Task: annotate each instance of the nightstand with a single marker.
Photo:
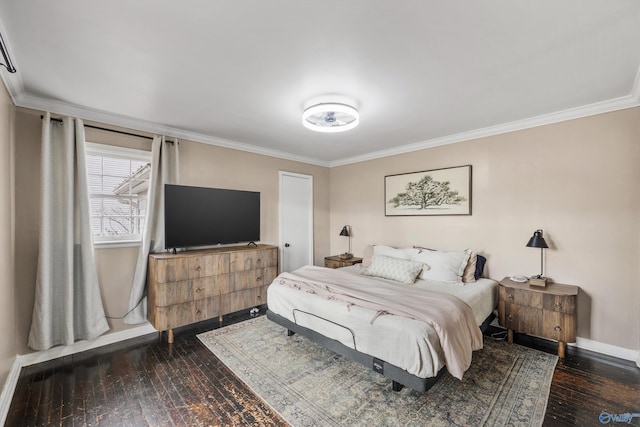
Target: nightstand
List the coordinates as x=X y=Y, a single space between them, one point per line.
x=337 y=262
x=548 y=312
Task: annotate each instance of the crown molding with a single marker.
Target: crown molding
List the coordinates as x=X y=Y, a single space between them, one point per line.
x=64 y=108
x=58 y=107
x=621 y=103
x=635 y=92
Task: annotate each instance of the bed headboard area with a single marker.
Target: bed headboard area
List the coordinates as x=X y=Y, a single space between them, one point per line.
x=454 y=266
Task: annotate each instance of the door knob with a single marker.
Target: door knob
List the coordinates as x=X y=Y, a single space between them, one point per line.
x=286 y=245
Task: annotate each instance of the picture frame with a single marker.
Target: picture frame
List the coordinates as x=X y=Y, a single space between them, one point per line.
x=434 y=192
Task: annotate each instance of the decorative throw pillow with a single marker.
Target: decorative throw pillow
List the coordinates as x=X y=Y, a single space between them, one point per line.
x=469 y=275
x=444 y=266
x=400 y=270
x=366 y=256
x=480 y=266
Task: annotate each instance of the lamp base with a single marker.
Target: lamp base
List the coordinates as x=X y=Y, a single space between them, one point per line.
x=345 y=255
x=538 y=281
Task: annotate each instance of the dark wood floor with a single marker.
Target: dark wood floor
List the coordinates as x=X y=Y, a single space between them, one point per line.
x=145 y=381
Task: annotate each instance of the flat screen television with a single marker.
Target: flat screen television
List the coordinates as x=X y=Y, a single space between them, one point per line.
x=200 y=216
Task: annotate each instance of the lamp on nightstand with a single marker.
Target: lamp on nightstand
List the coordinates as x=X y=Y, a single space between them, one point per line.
x=537 y=241
x=346 y=231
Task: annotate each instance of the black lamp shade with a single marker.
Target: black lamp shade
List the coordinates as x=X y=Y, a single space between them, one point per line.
x=345 y=231
x=537 y=241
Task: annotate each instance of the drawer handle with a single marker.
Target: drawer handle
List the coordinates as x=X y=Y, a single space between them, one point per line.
x=198 y=311
x=258 y=279
x=558 y=306
x=557 y=329
x=198 y=290
x=510 y=318
x=259 y=260
x=198 y=268
x=510 y=297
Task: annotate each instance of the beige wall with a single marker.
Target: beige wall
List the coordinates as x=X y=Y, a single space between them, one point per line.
x=578 y=180
x=7 y=283
x=200 y=164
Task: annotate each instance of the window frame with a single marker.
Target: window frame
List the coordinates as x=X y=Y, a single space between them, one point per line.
x=114 y=151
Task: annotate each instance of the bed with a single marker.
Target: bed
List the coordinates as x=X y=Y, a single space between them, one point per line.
x=406 y=350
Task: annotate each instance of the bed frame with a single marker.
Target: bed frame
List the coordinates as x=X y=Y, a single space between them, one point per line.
x=398 y=376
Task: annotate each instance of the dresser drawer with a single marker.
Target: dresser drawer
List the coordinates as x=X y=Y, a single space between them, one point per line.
x=208 y=265
x=170 y=269
x=251 y=260
x=252 y=278
x=239 y=300
x=177 y=315
x=190 y=290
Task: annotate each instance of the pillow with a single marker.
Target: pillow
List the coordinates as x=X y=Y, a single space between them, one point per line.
x=366 y=256
x=443 y=266
x=400 y=270
x=400 y=253
x=480 y=266
x=469 y=274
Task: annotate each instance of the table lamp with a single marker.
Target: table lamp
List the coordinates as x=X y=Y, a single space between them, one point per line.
x=346 y=231
x=537 y=241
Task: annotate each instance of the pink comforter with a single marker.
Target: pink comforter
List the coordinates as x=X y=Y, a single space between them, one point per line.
x=449 y=316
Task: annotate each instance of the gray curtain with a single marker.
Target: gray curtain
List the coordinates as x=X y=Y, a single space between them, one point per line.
x=164 y=170
x=68 y=306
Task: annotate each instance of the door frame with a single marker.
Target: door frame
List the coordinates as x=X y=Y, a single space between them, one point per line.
x=309 y=179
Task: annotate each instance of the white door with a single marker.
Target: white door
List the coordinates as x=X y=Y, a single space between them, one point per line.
x=296 y=220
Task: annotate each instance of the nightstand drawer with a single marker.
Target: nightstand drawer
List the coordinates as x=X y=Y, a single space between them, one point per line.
x=542 y=323
x=560 y=303
x=522 y=296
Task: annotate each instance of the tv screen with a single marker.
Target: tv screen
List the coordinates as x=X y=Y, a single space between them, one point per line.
x=199 y=216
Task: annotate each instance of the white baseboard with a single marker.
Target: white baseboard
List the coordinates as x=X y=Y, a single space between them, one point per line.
x=80 y=346
x=608 y=349
x=8 y=390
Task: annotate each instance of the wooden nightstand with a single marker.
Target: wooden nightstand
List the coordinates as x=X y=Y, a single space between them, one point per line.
x=337 y=262
x=548 y=312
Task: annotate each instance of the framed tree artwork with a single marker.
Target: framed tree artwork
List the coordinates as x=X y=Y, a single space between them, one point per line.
x=433 y=192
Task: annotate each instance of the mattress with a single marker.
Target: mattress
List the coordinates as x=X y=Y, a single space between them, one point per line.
x=409 y=344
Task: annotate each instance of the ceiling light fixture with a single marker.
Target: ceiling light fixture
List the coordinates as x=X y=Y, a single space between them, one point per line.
x=330 y=117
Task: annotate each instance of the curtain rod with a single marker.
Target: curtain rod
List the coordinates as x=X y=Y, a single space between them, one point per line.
x=108 y=130
x=5 y=55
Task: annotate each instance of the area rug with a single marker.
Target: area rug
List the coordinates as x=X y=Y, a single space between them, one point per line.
x=308 y=385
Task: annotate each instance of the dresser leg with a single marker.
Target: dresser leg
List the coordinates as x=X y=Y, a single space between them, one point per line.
x=509 y=335
x=170 y=336
x=561 y=348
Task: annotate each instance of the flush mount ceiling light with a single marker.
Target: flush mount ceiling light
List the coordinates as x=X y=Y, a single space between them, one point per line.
x=330 y=117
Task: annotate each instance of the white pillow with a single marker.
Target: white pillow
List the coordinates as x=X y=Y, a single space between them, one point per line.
x=400 y=270
x=400 y=253
x=443 y=266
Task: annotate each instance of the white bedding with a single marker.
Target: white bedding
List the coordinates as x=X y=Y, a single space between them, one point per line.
x=406 y=343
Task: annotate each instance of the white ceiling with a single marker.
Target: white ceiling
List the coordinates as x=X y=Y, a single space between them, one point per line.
x=239 y=73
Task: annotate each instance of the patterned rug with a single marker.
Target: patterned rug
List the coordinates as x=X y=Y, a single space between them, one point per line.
x=308 y=385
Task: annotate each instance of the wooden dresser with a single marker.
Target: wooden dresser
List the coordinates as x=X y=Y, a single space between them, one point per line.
x=548 y=312
x=191 y=286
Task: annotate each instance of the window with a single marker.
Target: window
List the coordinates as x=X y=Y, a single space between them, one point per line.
x=118 y=186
